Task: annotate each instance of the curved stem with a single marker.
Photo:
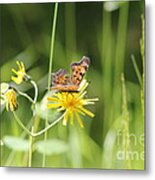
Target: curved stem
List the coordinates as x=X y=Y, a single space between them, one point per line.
x=25 y=95
x=48 y=127
x=40 y=132
x=12 y=154
x=36 y=90
x=21 y=124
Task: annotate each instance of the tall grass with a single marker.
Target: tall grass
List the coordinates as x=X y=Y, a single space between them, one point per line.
x=70 y=31
x=116 y=76
x=50 y=67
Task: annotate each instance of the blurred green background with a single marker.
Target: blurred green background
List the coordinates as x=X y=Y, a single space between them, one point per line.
x=110 y=34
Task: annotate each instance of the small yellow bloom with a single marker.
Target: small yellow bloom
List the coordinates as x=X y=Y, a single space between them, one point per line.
x=20 y=73
x=10 y=98
x=73 y=104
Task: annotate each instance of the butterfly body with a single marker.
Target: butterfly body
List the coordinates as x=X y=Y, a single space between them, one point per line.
x=61 y=81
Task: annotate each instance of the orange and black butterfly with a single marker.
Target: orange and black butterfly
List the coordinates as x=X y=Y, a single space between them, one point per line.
x=61 y=81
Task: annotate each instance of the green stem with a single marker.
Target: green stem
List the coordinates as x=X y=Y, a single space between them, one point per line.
x=137 y=70
x=120 y=56
x=40 y=132
x=30 y=148
x=36 y=90
x=32 y=129
x=30 y=137
x=21 y=124
x=12 y=154
x=52 y=44
x=49 y=126
x=125 y=119
x=33 y=101
x=50 y=66
x=26 y=96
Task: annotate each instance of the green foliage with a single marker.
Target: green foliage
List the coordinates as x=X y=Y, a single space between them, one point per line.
x=16 y=143
x=51 y=147
x=43 y=112
x=112 y=35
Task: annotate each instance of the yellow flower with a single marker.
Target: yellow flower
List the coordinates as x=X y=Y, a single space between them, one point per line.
x=20 y=73
x=9 y=98
x=73 y=104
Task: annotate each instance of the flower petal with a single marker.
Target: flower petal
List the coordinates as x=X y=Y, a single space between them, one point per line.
x=64 y=122
x=83 y=86
x=52 y=99
x=79 y=111
x=14 y=71
x=79 y=120
x=89 y=113
x=22 y=66
x=81 y=95
x=54 y=105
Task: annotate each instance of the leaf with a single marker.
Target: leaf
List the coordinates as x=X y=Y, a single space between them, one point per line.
x=50 y=147
x=16 y=143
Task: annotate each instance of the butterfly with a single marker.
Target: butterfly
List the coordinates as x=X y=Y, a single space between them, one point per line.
x=62 y=81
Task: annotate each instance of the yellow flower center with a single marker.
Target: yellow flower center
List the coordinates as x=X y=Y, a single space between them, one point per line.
x=73 y=104
x=71 y=101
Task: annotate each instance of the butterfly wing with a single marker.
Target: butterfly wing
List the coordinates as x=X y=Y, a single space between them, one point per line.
x=61 y=82
x=60 y=78
x=79 y=69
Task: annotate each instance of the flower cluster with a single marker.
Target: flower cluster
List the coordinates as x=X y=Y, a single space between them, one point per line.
x=72 y=104
x=9 y=94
